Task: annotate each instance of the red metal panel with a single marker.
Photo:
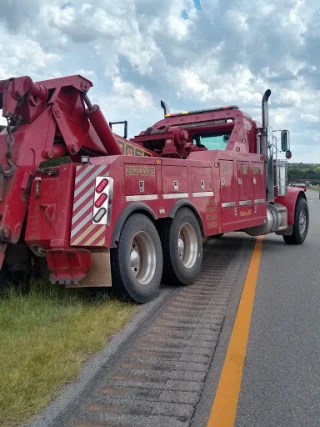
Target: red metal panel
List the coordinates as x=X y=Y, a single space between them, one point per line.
x=171 y=176
x=245 y=184
x=84 y=232
x=228 y=191
x=259 y=184
x=62 y=221
x=201 y=179
x=228 y=187
x=49 y=213
x=204 y=199
x=140 y=179
x=13 y=206
x=41 y=212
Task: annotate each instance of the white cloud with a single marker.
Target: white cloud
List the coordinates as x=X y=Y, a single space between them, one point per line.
x=138 y=51
x=310 y=118
x=133 y=96
x=23 y=55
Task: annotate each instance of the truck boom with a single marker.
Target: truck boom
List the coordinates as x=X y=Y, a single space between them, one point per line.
x=101 y=210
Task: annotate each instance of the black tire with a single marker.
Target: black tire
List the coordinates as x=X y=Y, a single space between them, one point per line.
x=4 y=280
x=218 y=236
x=298 y=236
x=138 y=234
x=17 y=281
x=181 y=267
x=41 y=269
x=20 y=281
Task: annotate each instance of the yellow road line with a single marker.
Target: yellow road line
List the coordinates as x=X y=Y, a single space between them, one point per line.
x=225 y=404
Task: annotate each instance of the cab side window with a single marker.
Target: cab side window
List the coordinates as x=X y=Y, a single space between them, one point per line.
x=212 y=142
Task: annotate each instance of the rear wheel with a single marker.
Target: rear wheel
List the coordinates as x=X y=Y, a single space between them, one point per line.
x=17 y=267
x=4 y=280
x=182 y=248
x=218 y=236
x=17 y=280
x=301 y=224
x=137 y=263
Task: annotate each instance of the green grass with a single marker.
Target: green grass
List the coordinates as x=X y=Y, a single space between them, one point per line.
x=314 y=188
x=44 y=339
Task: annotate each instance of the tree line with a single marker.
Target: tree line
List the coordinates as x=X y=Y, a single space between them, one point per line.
x=303 y=172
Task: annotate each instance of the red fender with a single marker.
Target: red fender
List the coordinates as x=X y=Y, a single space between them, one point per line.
x=289 y=201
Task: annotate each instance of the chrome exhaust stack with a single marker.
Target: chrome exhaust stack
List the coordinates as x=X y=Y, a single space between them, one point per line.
x=266 y=147
x=265 y=123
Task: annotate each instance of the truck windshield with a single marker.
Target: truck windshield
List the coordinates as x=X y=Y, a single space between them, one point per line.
x=217 y=141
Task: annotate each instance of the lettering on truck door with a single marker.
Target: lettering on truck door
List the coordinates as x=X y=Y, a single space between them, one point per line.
x=245 y=190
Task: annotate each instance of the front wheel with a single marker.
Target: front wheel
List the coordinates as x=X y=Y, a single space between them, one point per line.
x=137 y=263
x=182 y=248
x=301 y=224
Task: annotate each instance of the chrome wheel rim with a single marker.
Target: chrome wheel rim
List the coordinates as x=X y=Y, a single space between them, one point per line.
x=302 y=222
x=143 y=257
x=188 y=246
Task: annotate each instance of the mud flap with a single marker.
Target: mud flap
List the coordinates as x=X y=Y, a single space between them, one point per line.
x=99 y=275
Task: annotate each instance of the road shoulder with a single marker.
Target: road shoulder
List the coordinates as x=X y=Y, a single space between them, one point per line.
x=203 y=410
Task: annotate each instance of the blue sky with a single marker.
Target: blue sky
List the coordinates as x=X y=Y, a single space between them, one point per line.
x=190 y=53
x=197 y=4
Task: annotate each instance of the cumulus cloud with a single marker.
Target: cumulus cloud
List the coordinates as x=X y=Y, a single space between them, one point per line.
x=191 y=53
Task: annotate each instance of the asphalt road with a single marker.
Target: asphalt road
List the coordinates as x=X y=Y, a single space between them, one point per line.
x=281 y=375
x=281 y=378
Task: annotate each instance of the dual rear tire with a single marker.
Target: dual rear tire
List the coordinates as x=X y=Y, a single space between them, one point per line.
x=146 y=256
x=137 y=262
x=182 y=248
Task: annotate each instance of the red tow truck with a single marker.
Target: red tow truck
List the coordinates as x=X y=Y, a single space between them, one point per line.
x=100 y=210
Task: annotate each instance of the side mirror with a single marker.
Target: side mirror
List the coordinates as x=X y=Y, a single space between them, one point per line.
x=285 y=140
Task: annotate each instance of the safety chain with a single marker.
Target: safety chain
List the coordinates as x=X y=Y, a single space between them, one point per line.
x=9 y=140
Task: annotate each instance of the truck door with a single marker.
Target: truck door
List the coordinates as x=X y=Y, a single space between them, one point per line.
x=259 y=185
x=259 y=189
x=228 y=192
x=245 y=184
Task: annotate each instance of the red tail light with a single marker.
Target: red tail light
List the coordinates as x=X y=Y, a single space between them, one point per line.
x=102 y=185
x=100 y=201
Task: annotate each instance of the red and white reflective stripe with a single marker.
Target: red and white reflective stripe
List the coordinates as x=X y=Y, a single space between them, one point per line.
x=83 y=231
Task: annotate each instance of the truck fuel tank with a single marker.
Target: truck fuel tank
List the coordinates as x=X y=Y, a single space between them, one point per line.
x=277 y=219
